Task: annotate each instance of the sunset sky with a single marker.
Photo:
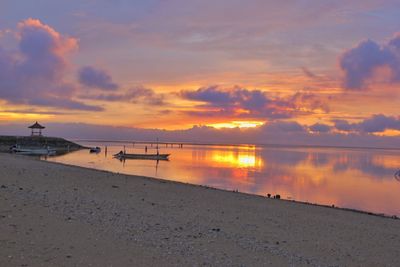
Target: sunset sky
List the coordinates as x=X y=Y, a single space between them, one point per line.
x=319 y=67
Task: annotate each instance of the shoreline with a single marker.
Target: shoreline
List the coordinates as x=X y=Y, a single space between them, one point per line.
x=59 y=214
x=377 y=214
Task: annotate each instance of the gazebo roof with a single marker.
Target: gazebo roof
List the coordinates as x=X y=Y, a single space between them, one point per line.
x=36 y=125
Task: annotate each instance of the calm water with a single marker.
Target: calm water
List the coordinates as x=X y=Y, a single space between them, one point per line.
x=353 y=178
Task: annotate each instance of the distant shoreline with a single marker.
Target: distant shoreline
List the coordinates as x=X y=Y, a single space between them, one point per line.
x=234 y=145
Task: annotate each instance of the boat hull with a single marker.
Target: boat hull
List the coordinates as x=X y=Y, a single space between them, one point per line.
x=95 y=150
x=35 y=151
x=143 y=156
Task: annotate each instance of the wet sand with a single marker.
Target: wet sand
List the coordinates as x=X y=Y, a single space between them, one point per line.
x=58 y=215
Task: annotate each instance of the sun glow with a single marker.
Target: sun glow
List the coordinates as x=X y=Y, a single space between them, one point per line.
x=236 y=124
x=23 y=116
x=241 y=160
x=389 y=132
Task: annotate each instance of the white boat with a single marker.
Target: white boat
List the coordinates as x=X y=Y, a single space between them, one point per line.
x=33 y=151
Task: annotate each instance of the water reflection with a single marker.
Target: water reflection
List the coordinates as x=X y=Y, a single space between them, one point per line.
x=353 y=178
x=237 y=160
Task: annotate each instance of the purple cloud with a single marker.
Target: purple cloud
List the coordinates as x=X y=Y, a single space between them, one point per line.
x=212 y=95
x=33 y=74
x=379 y=123
x=283 y=126
x=237 y=101
x=360 y=63
x=96 y=78
x=133 y=95
x=320 y=128
x=374 y=124
x=308 y=100
x=342 y=125
x=241 y=102
x=65 y=103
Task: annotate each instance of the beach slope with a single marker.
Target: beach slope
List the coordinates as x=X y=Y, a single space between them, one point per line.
x=57 y=215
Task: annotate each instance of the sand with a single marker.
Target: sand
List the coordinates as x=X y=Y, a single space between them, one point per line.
x=57 y=215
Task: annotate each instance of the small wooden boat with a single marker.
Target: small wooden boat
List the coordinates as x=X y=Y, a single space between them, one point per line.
x=122 y=155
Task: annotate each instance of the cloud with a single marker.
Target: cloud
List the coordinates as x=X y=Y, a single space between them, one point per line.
x=137 y=94
x=34 y=73
x=283 y=126
x=375 y=124
x=320 y=128
x=34 y=111
x=309 y=73
x=277 y=132
x=342 y=125
x=309 y=101
x=361 y=63
x=379 y=123
x=241 y=102
x=65 y=103
x=238 y=102
x=96 y=78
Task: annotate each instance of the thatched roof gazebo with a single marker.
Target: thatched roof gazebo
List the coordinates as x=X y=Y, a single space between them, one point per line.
x=36 y=129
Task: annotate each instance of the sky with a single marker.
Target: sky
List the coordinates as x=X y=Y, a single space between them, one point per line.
x=326 y=70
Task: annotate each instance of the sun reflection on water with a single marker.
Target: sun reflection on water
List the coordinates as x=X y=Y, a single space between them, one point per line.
x=237 y=159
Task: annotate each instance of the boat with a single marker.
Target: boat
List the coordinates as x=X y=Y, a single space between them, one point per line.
x=33 y=151
x=122 y=155
x=397 y=175
x=95 y=149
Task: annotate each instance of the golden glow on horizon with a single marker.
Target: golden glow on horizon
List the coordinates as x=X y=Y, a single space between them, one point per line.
x=24 y=116
x=236 y=124
x=389 y=132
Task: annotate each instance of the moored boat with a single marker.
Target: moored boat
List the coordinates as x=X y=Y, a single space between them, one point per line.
x=33 y=151
x=122 y=155
x=95 y=149
x=397 y=175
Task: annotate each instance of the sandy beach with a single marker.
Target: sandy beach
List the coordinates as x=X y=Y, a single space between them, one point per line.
x=58 y=215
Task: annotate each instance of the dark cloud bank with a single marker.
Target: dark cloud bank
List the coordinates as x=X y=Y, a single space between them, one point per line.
x=278 y=132
x=239 y=102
